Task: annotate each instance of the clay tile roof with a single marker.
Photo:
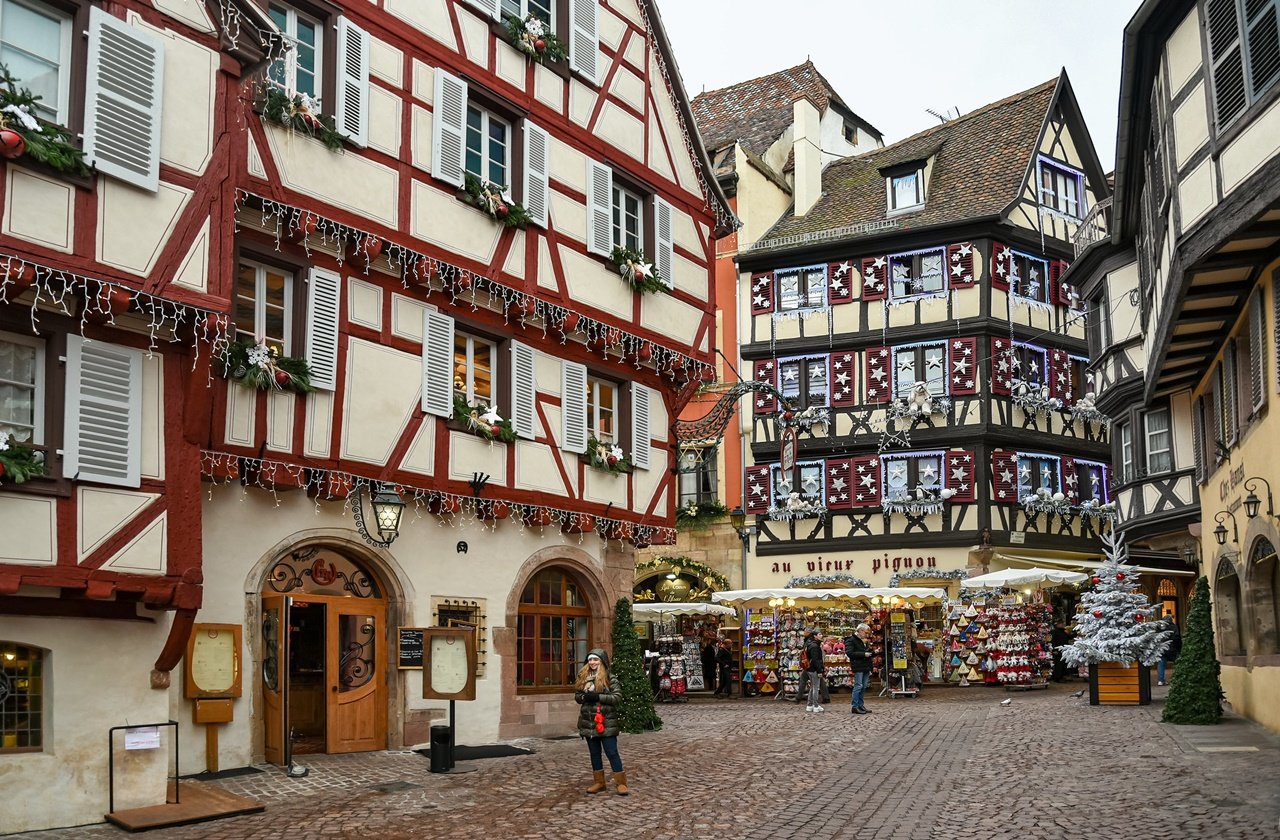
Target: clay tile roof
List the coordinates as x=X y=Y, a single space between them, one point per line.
x=980 y=160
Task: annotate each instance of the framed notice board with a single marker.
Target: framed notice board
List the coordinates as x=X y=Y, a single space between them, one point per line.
x=213 y=661
x=450 y=663
x=410 y=650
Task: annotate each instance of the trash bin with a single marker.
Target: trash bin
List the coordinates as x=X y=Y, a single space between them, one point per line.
x=441 y=749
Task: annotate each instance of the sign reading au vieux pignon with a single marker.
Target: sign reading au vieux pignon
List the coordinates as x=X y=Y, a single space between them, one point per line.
x=865 y=565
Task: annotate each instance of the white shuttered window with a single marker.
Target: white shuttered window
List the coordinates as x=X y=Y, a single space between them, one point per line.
x=665 y=239
x=584 y=38
x=537 y=188
x=351 y=109
x=437 y=364
x=524 y=387
x=641 y=436
x=1257 y=352
x=104 y=413
x=324 y=301
x=448 y=128
x=599 y=208
x=573 y=409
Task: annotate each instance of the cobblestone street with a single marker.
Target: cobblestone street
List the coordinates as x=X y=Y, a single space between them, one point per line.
x=952 y=763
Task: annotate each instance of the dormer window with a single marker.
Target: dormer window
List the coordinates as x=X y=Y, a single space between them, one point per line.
x=905 y=187
x=1061 y=188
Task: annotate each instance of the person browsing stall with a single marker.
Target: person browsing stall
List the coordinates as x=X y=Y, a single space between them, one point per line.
x=861 y=664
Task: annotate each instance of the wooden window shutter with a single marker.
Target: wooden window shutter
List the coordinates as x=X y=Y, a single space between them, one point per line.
x=960 y=265
x=865 y=480
x=437 y=364
x=665 y=239
x=1060 y=292
x=1197 y=442
x=840 y=282
x=963 y=364
x=524 y=391
x=762 y=293
x=758 y=490
x=449 y=128
x=103 y=436
x=879 y=375
x=1227 y=59
x=492 y=8
x=875 y=275
x=1069 y=480
x=641 y=436
x=1001 y=371
x=837 y=479
x=1230 y=404
x=573 y=406
x=324 y=305
x=960 y=473
x=1004 y=477
x=1257 y=352
x=537 y=173
x=351 y=105
x=1001 y=265
x=1215 y=447
x=584 y=38
x=124 y=90
x=840 y=378
x=765 y=370
x=599 y=208
x=1059 y=374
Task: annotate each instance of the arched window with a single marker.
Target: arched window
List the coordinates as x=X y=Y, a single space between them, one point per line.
x=21 y=698
x=1264 y=597
x=554 y=631
x=1167 y=592
x=1226 y=606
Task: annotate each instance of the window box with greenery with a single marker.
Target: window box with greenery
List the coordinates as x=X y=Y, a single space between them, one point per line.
x=606 y=456
x=695 y=515
x=636 y=272
x=299 y=112
x=490 y=199
x=18 y=462
x=482 y=420
x=255 y=364
x=22 y=133
x=533 y=37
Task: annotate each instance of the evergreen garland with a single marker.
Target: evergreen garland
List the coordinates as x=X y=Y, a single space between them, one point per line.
x=259 y=366
x=45 y=142
x=636 y=713
x=1195 y=694
x=18 y=462
x=299 y=112
x=488 y=198
x=641 y=276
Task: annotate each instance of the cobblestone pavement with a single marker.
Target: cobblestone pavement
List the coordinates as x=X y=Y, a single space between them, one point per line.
x=950 y=764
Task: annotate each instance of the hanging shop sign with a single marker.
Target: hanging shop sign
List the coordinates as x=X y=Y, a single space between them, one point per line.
x=790 y=444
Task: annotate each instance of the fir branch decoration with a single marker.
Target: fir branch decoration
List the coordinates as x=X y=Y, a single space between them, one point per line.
x=19 y=462
x=695 y=515
x=607 y=456
x=254 y=364
x=682 y=563
x=535 y=39
x=482 y=420
x=43 y=141
x=640 y=275
x=635 y=712
x=487 y=197
x=1195 y=696
x=299 y=112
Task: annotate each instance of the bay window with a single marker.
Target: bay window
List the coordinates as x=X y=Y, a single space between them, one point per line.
x=925 y=363
x=1061 y=188
x=1159 y=441
x=1029 y=277
x=905 y=474
x=806 y=479
x=802 y=288
x=1038 y=472
x=916 y=274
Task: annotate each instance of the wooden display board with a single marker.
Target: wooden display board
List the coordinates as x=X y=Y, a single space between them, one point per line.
x=449 y=663
x=213 y=661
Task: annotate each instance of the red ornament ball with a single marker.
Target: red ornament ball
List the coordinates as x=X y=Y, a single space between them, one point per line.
x=495 y=430
x=282 y=378
x=11 y=144
x=613 y=460
x=1097 y=613
x=540 y=45
x=1139 y=617
x=1 y=470
x=501 y=211
x=1119 y=575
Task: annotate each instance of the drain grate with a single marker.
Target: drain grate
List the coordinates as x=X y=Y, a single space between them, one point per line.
x=394 y=787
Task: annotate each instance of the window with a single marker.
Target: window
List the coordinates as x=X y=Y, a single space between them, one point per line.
x=1125 y=434
x=21 y=698
x=1077 y=378
x=904 y=475
x=35 y=44
x=1226 y=608
x=804 y=288
x=699 y=486
x=1159 y=441
x=1061 y=188
x=906 y=191
x=628 y=219
x=602 y=410
x=488 y=154
x=1090 y=480
x=264 y=304
x=1037 y=472
x=803 y=381
x=554 y=631
x=851 y=133
x=1244 y=50
x=916 y=274
x=298 y=70
x=22 y=389
x=541 y=9
x=807 y=480
x=1029 y=277
x=474 y=368
x=1030 y=365
x=921 y=363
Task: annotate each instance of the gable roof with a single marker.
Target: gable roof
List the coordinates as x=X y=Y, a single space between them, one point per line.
x=756 y=112
x=980 y=162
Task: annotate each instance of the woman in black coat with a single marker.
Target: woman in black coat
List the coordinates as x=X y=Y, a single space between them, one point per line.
x=861 y=663
x=600 y=694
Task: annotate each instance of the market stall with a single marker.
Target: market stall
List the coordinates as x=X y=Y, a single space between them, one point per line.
x=679 y=631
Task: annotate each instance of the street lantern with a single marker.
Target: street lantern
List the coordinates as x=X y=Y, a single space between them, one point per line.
x=1220 y=534
x=1251 y=505
x=738 y=519
x=387 y=509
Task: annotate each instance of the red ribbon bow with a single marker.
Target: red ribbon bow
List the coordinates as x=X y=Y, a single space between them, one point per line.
x=599 y=719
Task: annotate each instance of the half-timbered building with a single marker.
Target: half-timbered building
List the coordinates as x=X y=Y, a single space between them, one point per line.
x=927 y=408
x=457 y=253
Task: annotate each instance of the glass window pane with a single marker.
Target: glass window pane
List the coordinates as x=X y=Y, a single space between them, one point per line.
x=482 y=370
x=540 y=9
x=31 y=47
x=905 y=190
x=475 y=142
x=789 y=379
x=498 y=152
x=789 y=291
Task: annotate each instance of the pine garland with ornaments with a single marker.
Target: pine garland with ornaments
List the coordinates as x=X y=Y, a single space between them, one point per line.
x=483 y=420
x=534 y=38
x=19 y=462
x=1117 y=623
x=22 y=133
x=488 y=197
x=607 y=456
x=640 y=275
x=253 y=363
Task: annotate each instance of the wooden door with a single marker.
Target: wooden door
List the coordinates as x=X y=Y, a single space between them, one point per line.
x=275 y=676
x=357 y=707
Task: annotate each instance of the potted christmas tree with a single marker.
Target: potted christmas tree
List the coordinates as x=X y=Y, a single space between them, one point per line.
x=1115 y=635
x=1196 y=695
x=636 y=711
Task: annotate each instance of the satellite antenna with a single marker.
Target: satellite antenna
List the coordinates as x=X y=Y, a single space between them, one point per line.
x=945 y=116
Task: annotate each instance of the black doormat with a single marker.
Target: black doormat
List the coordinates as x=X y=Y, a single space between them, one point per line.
x=464 y=753
x=223 y=774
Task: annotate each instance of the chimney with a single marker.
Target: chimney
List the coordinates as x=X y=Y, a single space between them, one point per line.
x=806 y=143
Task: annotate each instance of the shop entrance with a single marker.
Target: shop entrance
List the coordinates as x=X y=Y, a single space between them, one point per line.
x=324 y=642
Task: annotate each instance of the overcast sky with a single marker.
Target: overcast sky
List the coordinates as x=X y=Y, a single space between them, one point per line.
x=891 y=60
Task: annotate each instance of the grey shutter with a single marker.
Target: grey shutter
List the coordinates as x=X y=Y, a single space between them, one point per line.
x=1197 y=431
x=641 y=435
x=1257 y=352
x=1263 y=37
x=437 y=364
x=1226 y=58
x=584 y=38
x=1215 y=404
x=665 y=258
x=1230 y=401
x=537 y=186
x=573 y=406
x=524 y=388
x=448 y=128
x=599 y=208
x=124 y=88
x=1275 y=320
x=351 y=109
x=324 y=302
x=492 y=8
x=104 y=413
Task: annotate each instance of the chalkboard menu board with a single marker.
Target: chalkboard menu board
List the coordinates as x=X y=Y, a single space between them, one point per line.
x=409 y=647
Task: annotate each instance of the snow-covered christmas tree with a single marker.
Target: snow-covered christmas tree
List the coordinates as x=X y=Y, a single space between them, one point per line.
x=1116 y=624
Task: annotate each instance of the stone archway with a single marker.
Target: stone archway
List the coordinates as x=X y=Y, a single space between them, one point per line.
x=1229 y=627
x=1262 y=598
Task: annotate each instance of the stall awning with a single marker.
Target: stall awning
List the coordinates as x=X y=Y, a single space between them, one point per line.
x=761 y=597
x=1087 y=565
x=1023 y=577
x=661 y=610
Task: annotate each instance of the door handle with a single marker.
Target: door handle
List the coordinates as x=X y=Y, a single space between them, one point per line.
x=334 y=689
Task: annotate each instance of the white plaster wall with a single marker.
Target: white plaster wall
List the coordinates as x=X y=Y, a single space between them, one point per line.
x=1182 y=51
x=1251 y=149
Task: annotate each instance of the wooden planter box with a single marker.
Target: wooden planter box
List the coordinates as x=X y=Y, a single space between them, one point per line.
x=1113 y=684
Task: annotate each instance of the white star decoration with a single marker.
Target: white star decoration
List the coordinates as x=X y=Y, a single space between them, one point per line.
x=1006 y=477
x=868 y=482
x=759 y=301
x=843 y=269
x=878 y=263
x=965 y=249
x=756 y=489
x=961 y=366
x=958 y=473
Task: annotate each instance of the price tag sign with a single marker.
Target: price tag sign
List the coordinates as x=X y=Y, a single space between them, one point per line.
x=142 y=738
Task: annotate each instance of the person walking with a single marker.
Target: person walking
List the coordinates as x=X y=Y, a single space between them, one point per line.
x=861 y=663
x=1060 y=638
x=1170 y=653
x=815 y=670
x=709 y=652
x=802 y=692
x=599 y=693
x=724 y=661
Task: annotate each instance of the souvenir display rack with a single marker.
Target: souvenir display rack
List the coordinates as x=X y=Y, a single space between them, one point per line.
x=1005 y=643
x=679 y=644
x=759 y=653
x=773 y=639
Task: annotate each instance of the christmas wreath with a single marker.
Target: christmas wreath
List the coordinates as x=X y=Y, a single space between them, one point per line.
x=254 y=364
x=487 y=196
x=482 y=420
x=535 y=39
x=18 y=462
x=299 y=112
x=641 y=276
x=607 y=456
x=22 y=133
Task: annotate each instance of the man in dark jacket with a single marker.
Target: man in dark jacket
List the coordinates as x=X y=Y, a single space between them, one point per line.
x=815 y=669
x=1060 y=638
x=709 y=652
x=802 y=693
x=1171 y=653
x=861 y=664
x=724 y=661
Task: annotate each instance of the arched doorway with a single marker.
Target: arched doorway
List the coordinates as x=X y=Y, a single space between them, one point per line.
x=324 y=641
x=1167 y=592
x=1226 y=605
x=1264 y=597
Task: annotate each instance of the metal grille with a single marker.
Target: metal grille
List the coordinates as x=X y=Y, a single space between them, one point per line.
x=464 y=612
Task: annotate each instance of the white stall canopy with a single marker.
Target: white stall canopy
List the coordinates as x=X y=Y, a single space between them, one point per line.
x=660 y=610
x=1014 y=578
x=819 y=597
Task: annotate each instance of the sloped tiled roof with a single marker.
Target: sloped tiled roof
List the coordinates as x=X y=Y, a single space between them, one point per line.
x=758 y=111
x=981 y=161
